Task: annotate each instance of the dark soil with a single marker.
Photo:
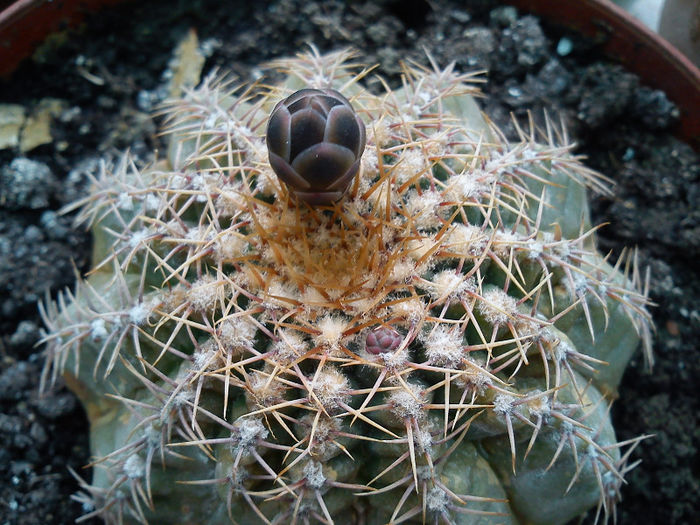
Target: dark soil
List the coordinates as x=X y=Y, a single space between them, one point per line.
x=110 y=73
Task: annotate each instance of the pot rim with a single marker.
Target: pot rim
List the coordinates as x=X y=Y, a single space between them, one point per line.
x=621 y=37
x=25 y=24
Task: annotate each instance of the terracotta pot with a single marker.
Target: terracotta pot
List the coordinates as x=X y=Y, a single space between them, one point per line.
x=24 y=24
x=680 y=25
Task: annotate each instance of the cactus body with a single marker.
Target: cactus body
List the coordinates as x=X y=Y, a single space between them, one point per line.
x=439 y=346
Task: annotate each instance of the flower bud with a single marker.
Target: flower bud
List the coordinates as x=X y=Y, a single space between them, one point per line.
x=382 y=340
x=315 y=141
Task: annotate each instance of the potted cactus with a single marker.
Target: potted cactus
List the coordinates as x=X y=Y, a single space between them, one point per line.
x=108 y=75
x=284 y=329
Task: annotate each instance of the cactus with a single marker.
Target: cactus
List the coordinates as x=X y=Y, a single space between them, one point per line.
x=441 y=345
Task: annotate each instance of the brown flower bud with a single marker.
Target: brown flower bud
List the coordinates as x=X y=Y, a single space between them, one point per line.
x=315 y=141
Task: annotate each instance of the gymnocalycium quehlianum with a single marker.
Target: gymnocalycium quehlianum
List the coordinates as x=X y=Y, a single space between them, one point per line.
x=433 y=339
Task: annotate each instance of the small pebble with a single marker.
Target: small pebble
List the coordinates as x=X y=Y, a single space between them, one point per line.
x=564 y=46
x=26 y=183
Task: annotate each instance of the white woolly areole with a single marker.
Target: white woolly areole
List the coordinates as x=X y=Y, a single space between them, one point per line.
x=204 y=359
x=152 y=202
x=402 y=271
x=466 y=239
x=324 y=445
x=264 y=391
x=153 y=436
x=182 y=398
x=313 y=472
x=567 y=428
x=562 y=249
x=134 y=467
x=362 y=305
x=312 y=297
x=424 y=209
x=230 y=202
x=237 y=333
x=547 y=336
x=125 y=202
x=412 y=309
x=174 y=229
x=331 y=331
x=497 y=307
x=379 y=133
x=280 y=294
x=535 y=249
x=473 y=375
x=394 y=360
x=560 y=351
x=229 y=246
x=503 y=403
x=423 y=440
x=171 y=299
x=256 y=149
x=203 y=183
x=203 y=293
x=418 y=248
x=410 y=163
x=370 y=164
x=267 y=255
x=246 y=280
x=268 y=219
x=98 y=329
x=289 y=346
x=330 y=387
x=266 y=183
x=448 y=284
x=407 y=404
x=464 y=234
x=139 y=313
x=198 y=235
x=504 y=242
x=539 y=406
x=176 y=181
x=465 y=187
x=247 y=431
x=578 y=285
x=443 y=346
x=529 y=329
x=436 y=500
x=436 y=145
x=498 y=164
x=137 y=238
